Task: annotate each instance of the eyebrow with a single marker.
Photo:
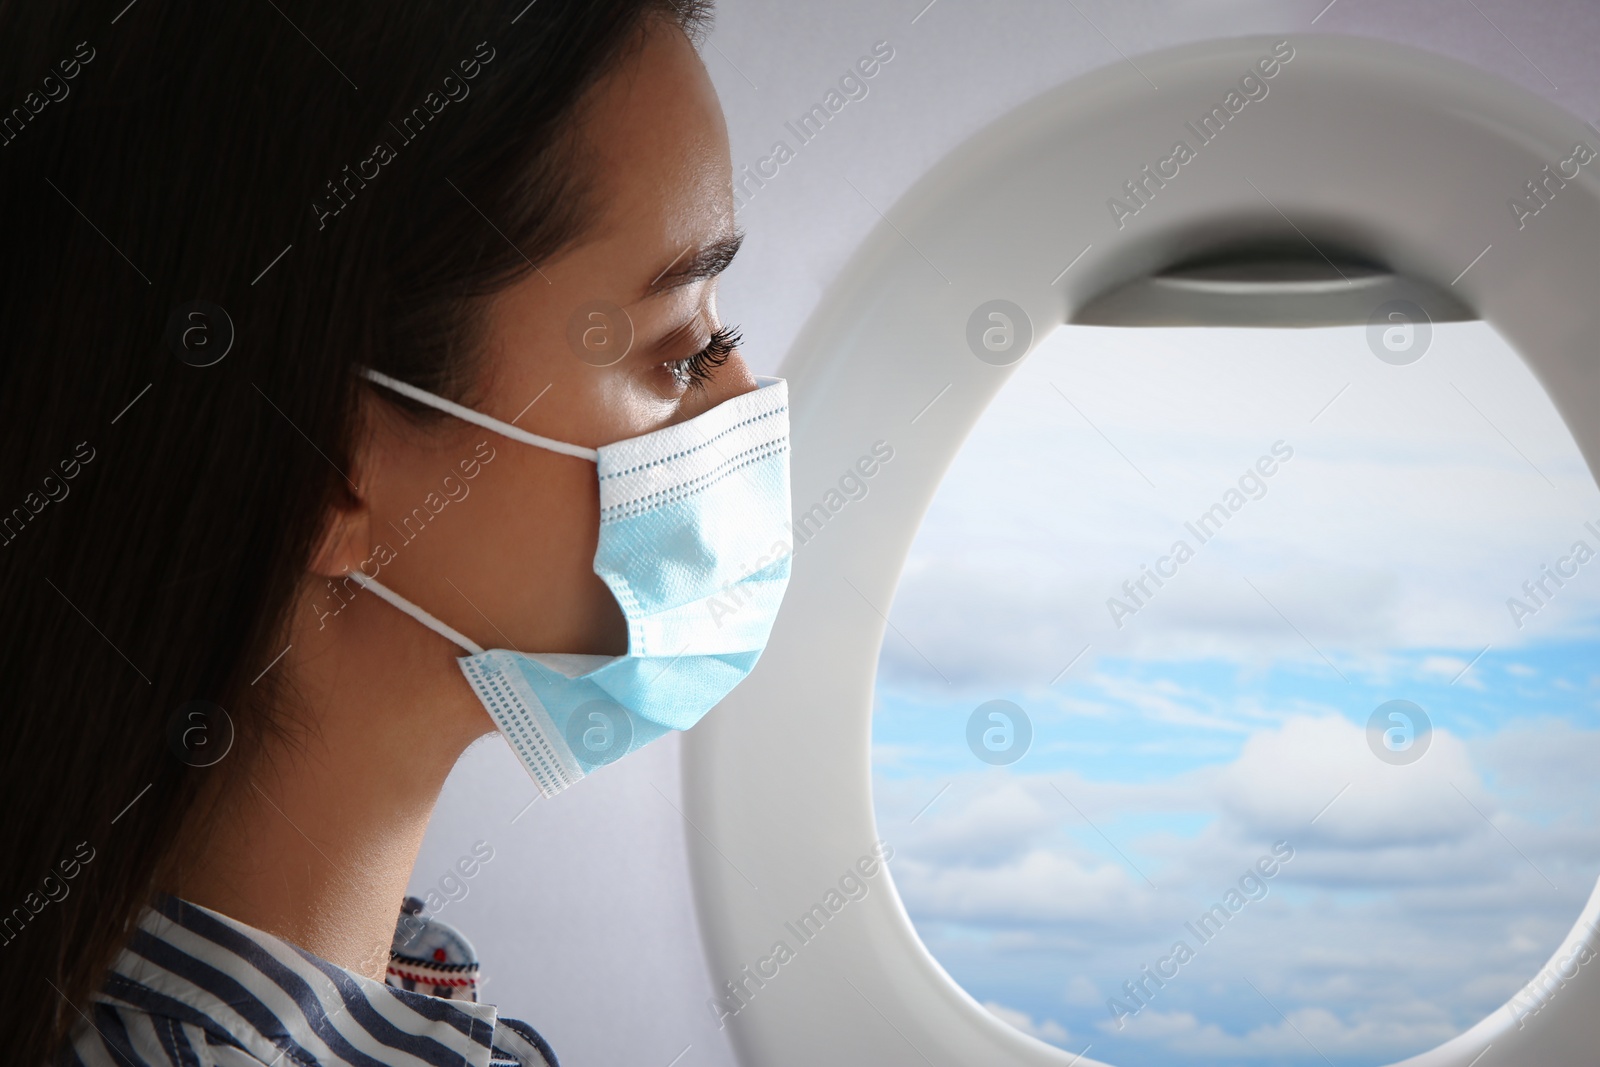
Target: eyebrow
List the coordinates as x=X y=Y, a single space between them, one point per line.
x=707 y=262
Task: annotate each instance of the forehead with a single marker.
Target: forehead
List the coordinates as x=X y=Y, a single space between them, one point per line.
x=658 y=144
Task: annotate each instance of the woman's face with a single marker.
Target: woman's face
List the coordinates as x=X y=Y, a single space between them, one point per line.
x=508 y=559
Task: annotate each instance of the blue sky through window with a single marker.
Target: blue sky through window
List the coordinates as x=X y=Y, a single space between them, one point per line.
x=1224 y=710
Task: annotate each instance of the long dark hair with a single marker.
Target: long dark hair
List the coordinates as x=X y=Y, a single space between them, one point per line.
x=179 y=183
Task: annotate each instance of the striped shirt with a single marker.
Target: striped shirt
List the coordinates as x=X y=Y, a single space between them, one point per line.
x=194 y=988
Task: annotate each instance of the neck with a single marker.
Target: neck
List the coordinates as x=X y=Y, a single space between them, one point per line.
x=315 y=834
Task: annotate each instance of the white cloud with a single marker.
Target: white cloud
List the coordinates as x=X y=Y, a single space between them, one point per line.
x=1403 y=917
x=1042 y=885
x=1045 y=1030
x=1083 y=993
x=1286 y=776
x=1167 y=702
x=1451 y=668
x=1305 y=1032
x=974 y=825
x=1402 y=521
x=1548 y=762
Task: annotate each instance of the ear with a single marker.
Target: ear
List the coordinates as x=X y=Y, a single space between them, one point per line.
x=345 y=536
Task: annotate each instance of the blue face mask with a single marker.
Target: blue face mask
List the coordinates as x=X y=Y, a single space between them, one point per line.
x=695 y=545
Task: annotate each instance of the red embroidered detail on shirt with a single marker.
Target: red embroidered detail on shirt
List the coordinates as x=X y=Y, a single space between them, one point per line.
x=431 y=979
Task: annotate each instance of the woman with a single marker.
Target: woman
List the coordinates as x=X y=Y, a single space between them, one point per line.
x=315 y=312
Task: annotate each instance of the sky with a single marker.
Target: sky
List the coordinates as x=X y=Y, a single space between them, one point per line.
x=1189 y=735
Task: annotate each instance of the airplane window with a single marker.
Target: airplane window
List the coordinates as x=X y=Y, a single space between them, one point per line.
x=1240 y=698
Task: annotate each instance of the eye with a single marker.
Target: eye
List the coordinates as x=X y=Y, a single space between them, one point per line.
x=696 y=369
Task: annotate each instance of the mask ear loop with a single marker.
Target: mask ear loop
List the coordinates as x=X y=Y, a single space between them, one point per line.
x=449 y=633
x=504 y=429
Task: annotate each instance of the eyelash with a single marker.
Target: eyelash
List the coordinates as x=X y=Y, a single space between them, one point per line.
x=696 y=369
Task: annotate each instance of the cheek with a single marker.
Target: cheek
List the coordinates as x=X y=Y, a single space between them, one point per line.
x=525 y=556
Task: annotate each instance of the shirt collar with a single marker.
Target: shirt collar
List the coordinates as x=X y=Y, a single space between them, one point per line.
x=278 y=1001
